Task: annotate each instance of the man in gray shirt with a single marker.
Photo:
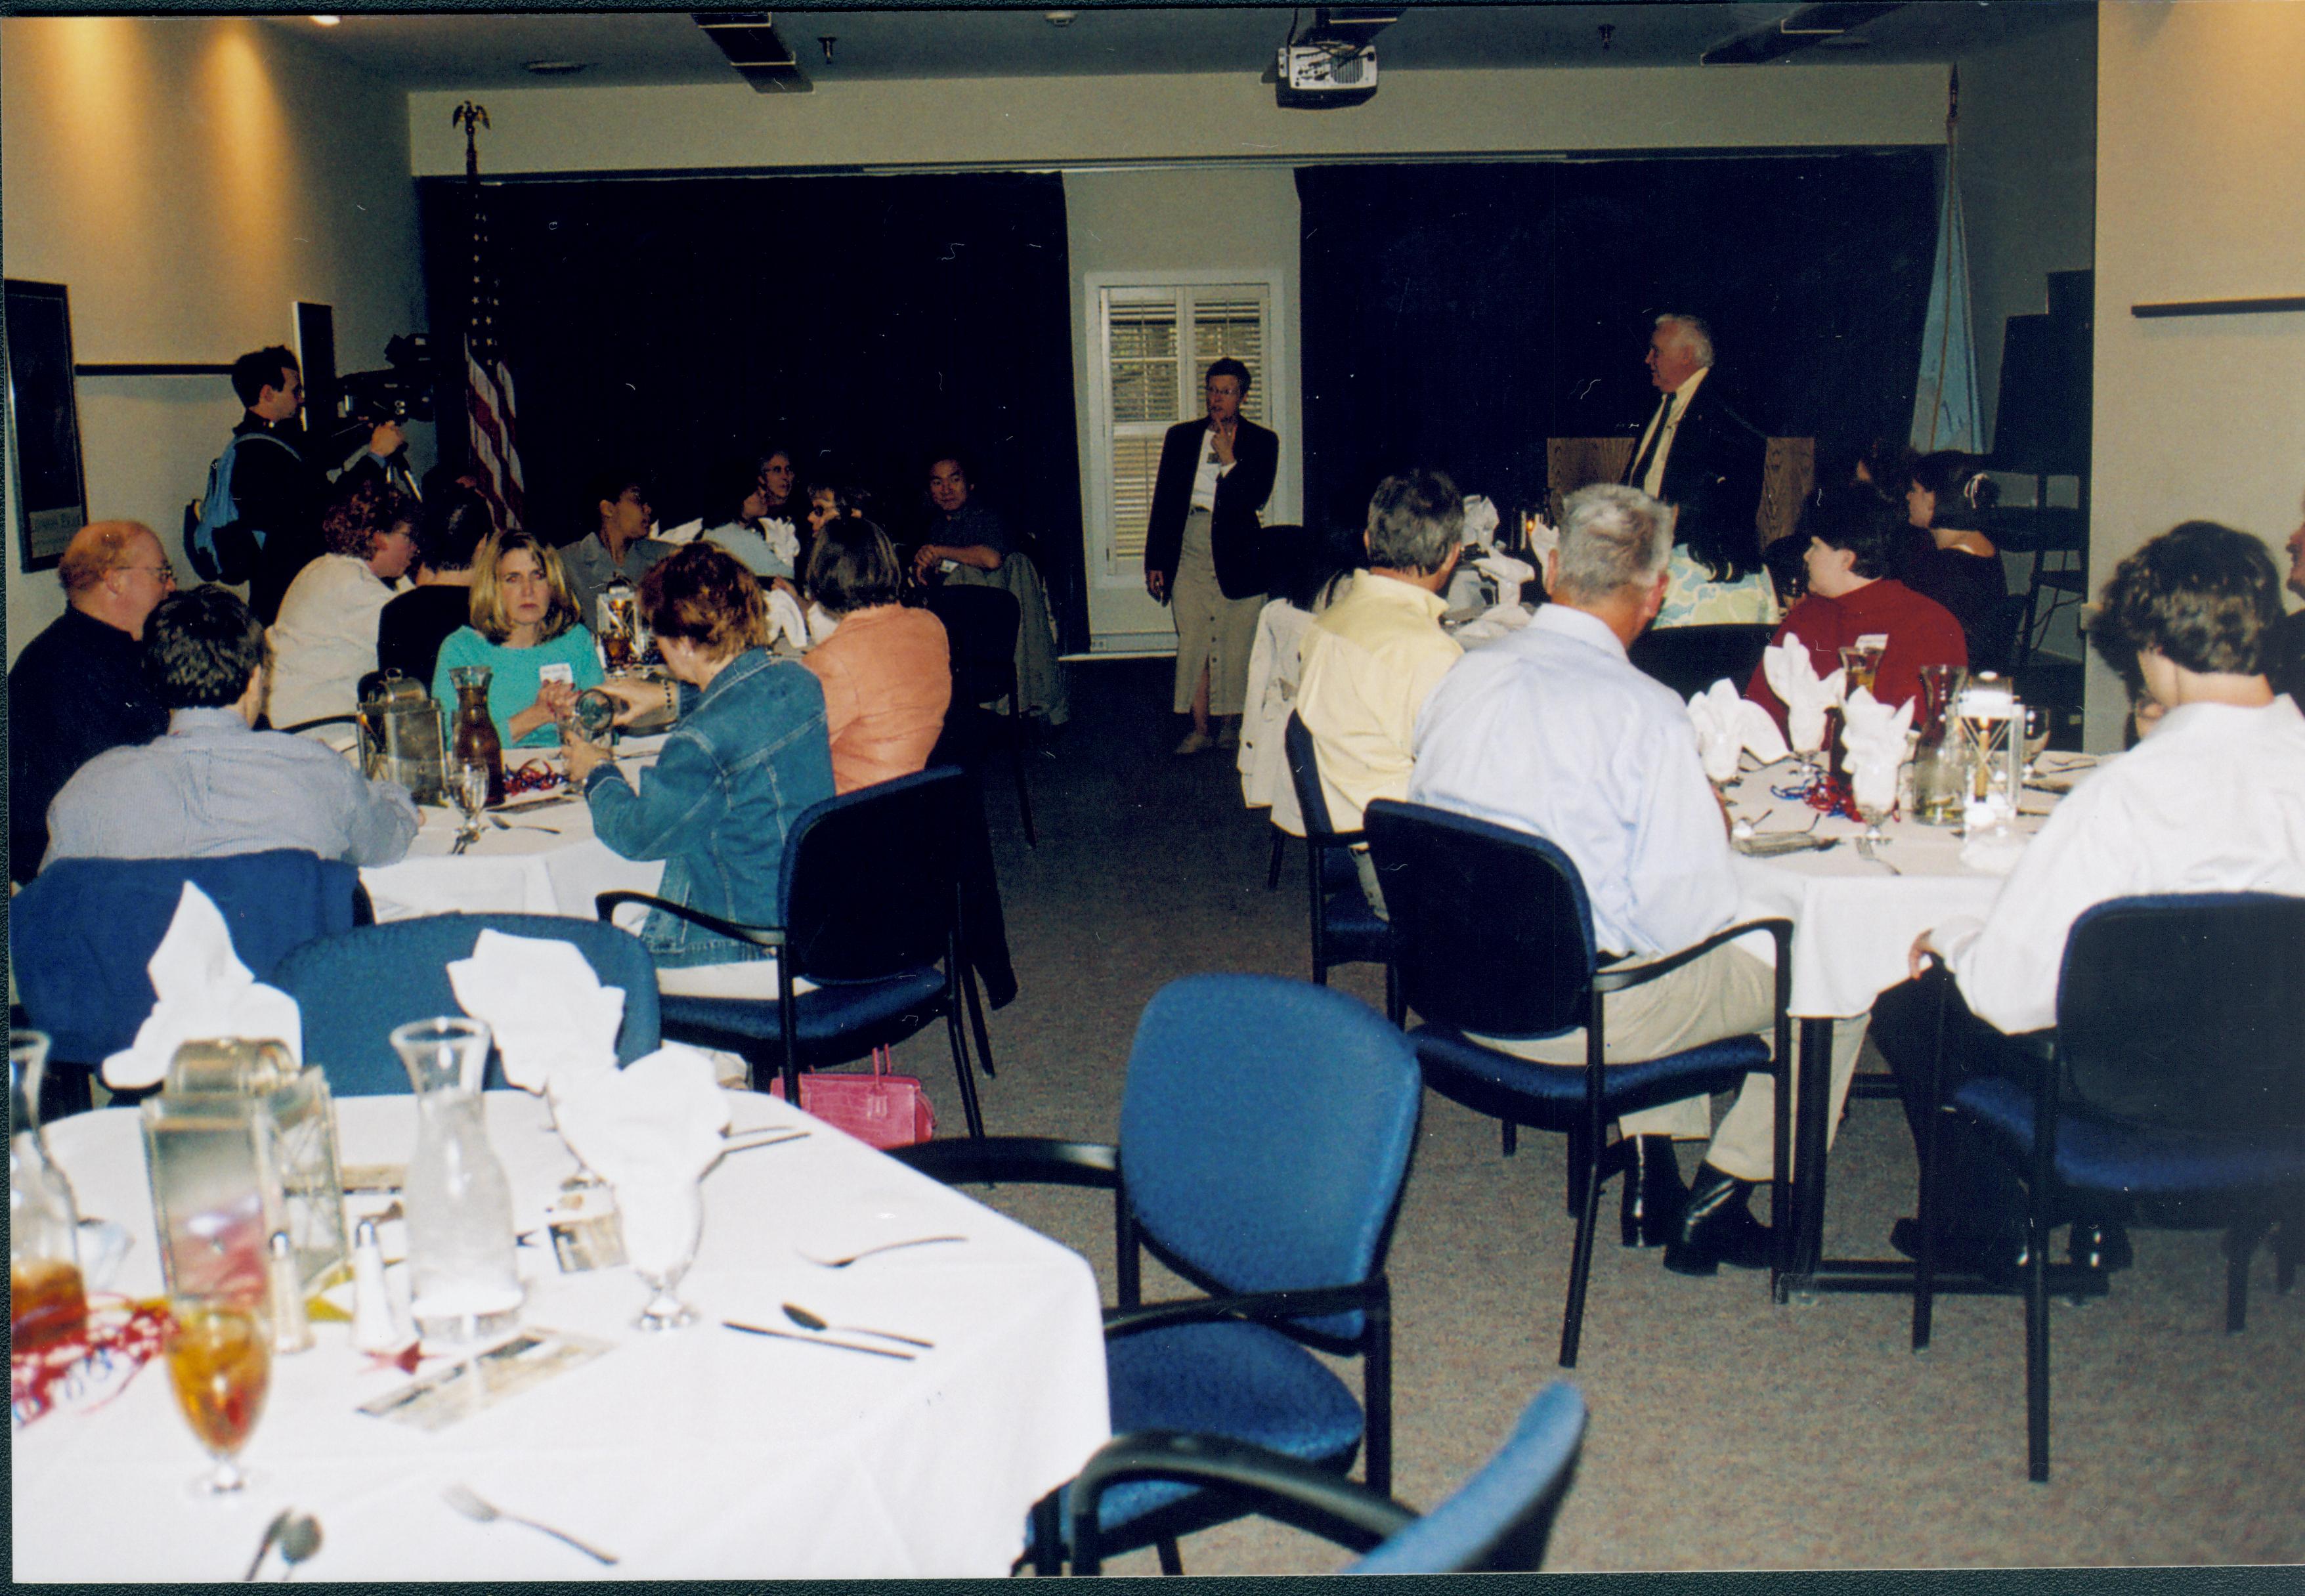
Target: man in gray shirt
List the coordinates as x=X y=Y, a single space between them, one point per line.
x=619 y=545
x=214 y=785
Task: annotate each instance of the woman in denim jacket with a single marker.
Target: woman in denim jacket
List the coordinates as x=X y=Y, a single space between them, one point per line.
x=747 y=756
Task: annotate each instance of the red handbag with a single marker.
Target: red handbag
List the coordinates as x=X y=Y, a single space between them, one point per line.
x=882 y=1109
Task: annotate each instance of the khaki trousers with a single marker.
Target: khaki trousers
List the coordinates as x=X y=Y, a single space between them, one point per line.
x=1726 y=993
x=1211 y=629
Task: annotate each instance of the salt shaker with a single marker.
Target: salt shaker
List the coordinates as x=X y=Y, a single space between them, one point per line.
x=375 y=1327
x=291 y=1331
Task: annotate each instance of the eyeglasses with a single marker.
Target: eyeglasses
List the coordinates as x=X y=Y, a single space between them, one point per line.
x=164 y=574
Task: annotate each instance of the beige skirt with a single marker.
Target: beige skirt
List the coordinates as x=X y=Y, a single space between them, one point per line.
x=1212 y=631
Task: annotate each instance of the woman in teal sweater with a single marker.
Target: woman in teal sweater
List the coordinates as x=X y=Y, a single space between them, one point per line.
x=524 y=629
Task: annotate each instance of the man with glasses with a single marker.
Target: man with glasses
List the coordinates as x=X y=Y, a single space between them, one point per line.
x=78 y=688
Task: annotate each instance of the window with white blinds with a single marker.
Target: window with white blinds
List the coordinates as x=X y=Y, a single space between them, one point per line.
x=1157 y=345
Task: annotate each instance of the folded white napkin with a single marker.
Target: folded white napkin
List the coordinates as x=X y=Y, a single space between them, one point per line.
x=651 y=1130
x=1786 y=668
x=1480 y=518
x=687 y=531
x=784 y=542
x=1874 y=734
x=205 y=993
x=1994 y=850
x=820 y=624
x=555 y=1024
x=1542 y=539
x=1465 y=590
x=1493 y=623
x=785 y=620
x=1728 y=726
x=1508 y=572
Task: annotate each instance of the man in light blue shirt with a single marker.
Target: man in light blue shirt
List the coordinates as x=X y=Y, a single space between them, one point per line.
x=214 y=785
x=1553 y=731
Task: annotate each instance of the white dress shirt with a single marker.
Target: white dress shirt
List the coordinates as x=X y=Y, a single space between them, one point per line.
x=1205 y=479
x=1552 y=731
x=2214 y=800
x=325 y=639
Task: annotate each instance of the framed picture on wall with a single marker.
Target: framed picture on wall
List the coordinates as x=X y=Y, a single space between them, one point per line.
x=43 y=420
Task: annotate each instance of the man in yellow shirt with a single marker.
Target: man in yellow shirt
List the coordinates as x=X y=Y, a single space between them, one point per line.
x=1372 y=656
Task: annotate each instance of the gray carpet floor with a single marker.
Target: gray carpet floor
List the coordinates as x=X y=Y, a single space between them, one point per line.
x=1726 y=1432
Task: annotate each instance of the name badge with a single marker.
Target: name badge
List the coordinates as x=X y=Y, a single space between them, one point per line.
x=559 y=671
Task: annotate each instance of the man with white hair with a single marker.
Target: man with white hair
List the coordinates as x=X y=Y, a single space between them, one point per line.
x=1552 y=731
x=1698 y=455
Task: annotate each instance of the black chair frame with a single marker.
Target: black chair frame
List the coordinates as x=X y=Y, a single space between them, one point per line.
x=979 y=678
x=1322 y=841
x=1028 y=1159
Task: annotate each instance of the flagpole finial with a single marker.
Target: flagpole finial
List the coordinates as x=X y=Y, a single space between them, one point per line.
x=471 y=117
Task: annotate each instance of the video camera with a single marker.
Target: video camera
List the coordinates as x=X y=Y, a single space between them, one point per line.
x=400 y=391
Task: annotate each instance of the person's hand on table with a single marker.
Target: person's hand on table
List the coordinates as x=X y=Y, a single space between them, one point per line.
x=583 y=758
x=926 y=560
x=1923 y=953
x=555 y=701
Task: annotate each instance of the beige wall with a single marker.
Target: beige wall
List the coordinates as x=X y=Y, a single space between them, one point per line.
x=2200 y=195
x=189 y=181
x=1177 y=116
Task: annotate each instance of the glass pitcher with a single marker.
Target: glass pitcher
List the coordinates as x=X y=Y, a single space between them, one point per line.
x=475 y=741
x=46 y=1301
x=466 y=1288
x=1940 y=758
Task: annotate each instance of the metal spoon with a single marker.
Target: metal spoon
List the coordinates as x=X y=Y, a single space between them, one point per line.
x=501 y=824
x=264 y=1547
x=300 y=1540
x=842 y=1263
x=810 y=1322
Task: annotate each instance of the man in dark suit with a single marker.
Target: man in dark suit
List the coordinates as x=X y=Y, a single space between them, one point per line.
x=1699 y=456
x=1203 y=553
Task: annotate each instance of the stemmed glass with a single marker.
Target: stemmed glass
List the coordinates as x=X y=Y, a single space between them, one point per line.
x=2037 y=735
x=662 y=1221
x=220 y=1363
x=470 y=789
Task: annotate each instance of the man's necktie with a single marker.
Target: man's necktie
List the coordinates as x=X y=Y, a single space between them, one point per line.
x=1640 y=471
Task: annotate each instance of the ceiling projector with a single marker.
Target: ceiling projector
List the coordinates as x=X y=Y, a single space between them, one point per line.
x=1315 y=74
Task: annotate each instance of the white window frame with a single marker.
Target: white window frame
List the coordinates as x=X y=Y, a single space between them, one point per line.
x=1104 y=571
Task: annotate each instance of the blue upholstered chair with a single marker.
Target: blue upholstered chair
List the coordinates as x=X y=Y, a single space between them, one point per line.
x=82 y=930
x=1265 y=1131
x=1473 y=903
x=869 y=913
x=1497 y=1522
x=356 y=987
x=2173 y=1075
x=1345 y=929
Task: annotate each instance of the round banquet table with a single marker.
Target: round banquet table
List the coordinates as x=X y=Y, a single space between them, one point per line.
x=1854 y=923
x=700 y=1454
x=544 y=859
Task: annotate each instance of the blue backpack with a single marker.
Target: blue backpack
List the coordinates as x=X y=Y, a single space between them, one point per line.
x=221 y=545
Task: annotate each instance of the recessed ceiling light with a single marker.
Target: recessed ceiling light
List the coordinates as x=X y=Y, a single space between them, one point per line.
x=1061 y=19
x=327 y=22
x=554 y=69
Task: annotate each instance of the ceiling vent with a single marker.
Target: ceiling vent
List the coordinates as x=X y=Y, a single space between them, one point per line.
x=754 y=50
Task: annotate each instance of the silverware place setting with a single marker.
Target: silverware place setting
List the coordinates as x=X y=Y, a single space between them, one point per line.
x=469 y=1502
x=819 y=1340
x=842 y=1263
x=808 y=1320
x=296 y=1534
x=1866 y=849
x=501 y=824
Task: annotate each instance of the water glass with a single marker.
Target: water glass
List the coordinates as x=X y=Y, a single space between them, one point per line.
x=663 y=1220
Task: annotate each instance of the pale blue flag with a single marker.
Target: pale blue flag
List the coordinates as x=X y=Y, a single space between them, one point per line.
x=1946 y=414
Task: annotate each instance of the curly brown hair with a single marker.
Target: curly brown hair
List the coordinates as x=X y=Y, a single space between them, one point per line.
x=2201 y=595
x=362 y=511
x=700 y=594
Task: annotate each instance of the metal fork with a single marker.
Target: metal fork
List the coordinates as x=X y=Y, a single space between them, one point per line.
x=469 y=1502
x=1865 y=848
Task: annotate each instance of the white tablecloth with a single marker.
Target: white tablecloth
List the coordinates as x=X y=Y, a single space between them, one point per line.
x=1854 y=922
x=524 y=870
x=701 y=1454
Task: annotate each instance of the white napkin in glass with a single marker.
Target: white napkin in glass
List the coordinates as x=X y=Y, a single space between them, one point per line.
x=651 y=1130
x=1480 y=518
x=1508 y=572
x=205 y=993
x=1786 y=668
x=1542 y=539
x=555 y=1024
x=784 y=542
x=785 y=620
x=1873 y=735
x=1728 y=726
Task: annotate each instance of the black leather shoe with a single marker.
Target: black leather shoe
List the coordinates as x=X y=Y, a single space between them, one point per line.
x=1717 y=1228
x=1998 y=1255
x=1652 y=1194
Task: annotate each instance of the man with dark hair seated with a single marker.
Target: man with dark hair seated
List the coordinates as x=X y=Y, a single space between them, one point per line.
x=214 y=785
x=2213 y=800
x=619 y=544
x=1852 y=597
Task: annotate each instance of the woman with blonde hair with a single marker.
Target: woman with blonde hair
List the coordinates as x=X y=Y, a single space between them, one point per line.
x=525 y=629
x=746 y=758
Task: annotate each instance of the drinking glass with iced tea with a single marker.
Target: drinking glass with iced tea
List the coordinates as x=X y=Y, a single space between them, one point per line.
x=220 y=1364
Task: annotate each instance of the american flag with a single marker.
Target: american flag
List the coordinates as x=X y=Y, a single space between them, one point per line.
x=488 y=408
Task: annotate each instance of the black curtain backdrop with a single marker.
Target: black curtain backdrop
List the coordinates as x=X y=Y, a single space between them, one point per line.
x=863 y=324
x=1456 y=316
